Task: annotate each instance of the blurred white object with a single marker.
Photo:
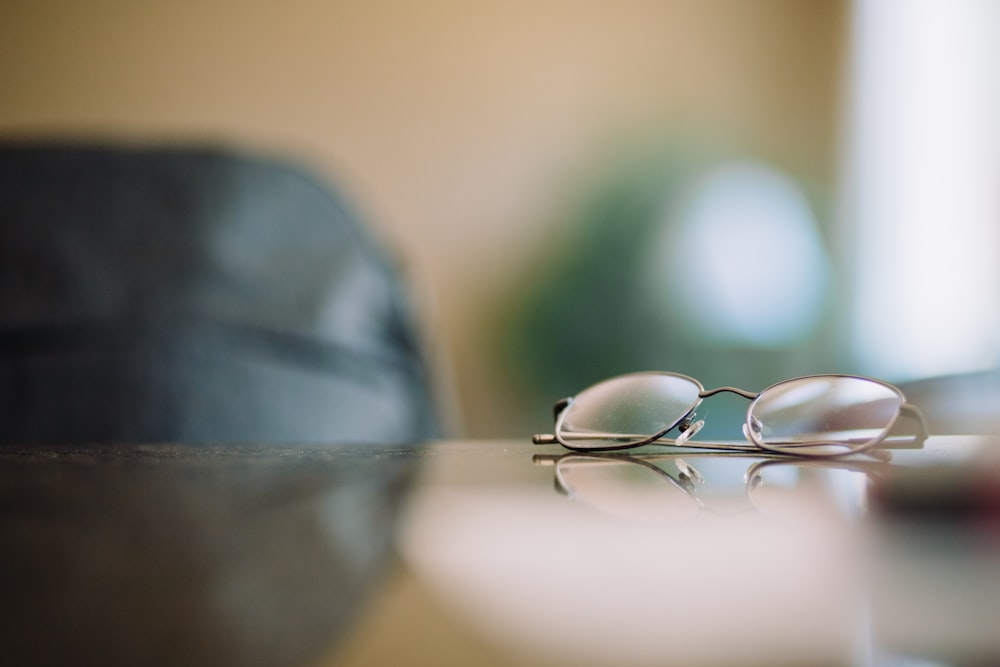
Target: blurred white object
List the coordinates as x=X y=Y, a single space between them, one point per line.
x=921 y=177
x=744 y=261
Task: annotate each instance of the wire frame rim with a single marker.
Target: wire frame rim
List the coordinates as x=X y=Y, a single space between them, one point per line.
x=846 y=449
x=631 y=444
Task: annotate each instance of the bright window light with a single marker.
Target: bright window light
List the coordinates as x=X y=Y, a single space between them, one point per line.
x=921 y=180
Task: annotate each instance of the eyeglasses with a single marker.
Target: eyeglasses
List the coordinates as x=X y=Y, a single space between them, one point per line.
x=817 y=415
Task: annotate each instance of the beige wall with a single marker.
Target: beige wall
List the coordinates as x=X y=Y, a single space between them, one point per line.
x=460 y=127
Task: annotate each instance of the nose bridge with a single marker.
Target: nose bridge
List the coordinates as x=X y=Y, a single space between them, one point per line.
x=731 y=390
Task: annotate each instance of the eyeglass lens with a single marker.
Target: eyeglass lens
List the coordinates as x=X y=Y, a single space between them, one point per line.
x=626 y=410
x=843 y=413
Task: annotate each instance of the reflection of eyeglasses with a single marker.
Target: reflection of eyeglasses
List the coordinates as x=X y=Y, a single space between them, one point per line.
x=632 y=488
x=661 y=489
x=817 y=415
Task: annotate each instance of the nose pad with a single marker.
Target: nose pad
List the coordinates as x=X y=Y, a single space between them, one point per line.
x=688 y=430
x=688 y=473
x=754 y=424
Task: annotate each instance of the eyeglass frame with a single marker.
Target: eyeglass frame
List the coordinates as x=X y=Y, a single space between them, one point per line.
x=685 y=423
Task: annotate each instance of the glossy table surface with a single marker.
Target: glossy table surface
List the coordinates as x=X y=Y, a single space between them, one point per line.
x=498 y=553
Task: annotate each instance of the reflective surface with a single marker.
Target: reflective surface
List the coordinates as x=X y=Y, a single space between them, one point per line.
x=498 y=553
x=174 y=555
x=649 y=558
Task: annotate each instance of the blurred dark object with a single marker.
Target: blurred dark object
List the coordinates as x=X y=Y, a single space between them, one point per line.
x=960 y=495
x=966 y=403
x=195 y=295
x=192 y=555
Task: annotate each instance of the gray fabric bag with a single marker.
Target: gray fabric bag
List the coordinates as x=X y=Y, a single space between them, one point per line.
x=196 y=295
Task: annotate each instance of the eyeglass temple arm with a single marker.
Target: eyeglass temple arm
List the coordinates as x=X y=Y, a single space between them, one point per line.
x=913 y=412
x=550 y=438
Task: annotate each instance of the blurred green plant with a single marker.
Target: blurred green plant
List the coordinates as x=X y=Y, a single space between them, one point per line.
x=597 y=305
